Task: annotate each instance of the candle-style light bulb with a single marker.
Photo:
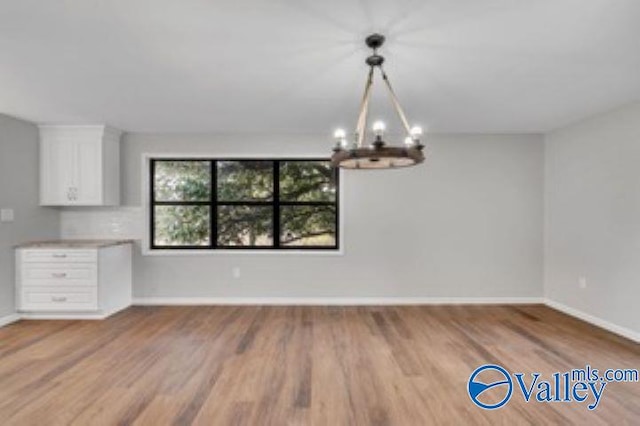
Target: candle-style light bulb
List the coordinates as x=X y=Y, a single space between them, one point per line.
x=416 y=132
x=378 y=128
x=341 y=138
x=409 y=141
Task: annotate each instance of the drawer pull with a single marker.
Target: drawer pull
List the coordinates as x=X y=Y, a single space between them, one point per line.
x=58 y=299
x=59 y=275
x=59 y=256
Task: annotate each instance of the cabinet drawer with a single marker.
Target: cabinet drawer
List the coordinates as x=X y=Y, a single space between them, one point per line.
x=60 y=256
x=52 y=274
x=59 y=299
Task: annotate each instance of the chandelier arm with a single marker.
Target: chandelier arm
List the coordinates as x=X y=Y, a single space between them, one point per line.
x=364 y=108
x=396 y=102
x=365 y=114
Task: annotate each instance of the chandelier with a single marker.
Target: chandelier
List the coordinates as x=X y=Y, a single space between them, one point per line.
x=354 y=154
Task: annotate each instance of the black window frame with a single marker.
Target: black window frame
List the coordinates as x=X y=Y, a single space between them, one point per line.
x=213 y=205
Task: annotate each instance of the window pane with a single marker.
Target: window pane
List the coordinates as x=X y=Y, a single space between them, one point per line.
x=182 y=225
x=308 y=226
x=307 y=181
x=245 y=180
x=182 y=180
x=245 y=225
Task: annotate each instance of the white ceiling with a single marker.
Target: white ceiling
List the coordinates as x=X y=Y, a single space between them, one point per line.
x=297 y=65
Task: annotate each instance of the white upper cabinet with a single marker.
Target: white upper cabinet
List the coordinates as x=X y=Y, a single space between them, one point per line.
x=79 y=166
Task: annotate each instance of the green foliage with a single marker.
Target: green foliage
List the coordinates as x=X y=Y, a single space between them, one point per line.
x=307 y=181
x=245 y=181
x=182 y=225
x=182 y=181
x=308 y=224
x=245 y=225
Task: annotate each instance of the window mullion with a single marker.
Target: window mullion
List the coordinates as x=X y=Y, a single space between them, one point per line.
x=213 y=206
x=276 y=204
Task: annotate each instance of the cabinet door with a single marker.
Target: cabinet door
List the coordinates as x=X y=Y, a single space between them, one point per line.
x=77 y=164
x=58 y=158
x=88 y=172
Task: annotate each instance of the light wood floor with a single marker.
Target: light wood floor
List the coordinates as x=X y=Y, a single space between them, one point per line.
x=300 y=366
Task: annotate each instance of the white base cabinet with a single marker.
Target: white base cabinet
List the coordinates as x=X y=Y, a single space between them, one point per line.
x=73 y=282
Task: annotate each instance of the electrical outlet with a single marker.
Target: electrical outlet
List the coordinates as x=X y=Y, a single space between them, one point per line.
x=235 y=272
x=582 y=282
x=6 y=215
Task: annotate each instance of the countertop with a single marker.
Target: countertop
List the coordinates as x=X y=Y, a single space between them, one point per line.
x=73 y=244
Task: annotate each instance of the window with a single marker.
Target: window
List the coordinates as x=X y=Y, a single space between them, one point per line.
x=255 y=204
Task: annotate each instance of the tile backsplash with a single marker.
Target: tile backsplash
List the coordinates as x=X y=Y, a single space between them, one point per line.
x=102 y=222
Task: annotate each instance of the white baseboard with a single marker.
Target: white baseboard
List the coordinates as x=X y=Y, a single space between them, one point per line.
x=598 y=322
x=335 y=301
x=63 y=316
x=8 y=319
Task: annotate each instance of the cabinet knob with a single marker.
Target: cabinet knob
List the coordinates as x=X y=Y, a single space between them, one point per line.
x=72 y=193
x=59 y=275
x=58 y=299
x=59 y=256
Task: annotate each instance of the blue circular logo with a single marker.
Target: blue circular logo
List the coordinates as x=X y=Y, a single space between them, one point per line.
x=476 y=387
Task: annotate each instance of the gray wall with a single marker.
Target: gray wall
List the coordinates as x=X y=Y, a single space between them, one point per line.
x=468 y=224
x=19 y=190
x=592 y=216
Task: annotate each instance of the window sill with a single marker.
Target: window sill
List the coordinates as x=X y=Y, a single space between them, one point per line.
x=181 y=252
